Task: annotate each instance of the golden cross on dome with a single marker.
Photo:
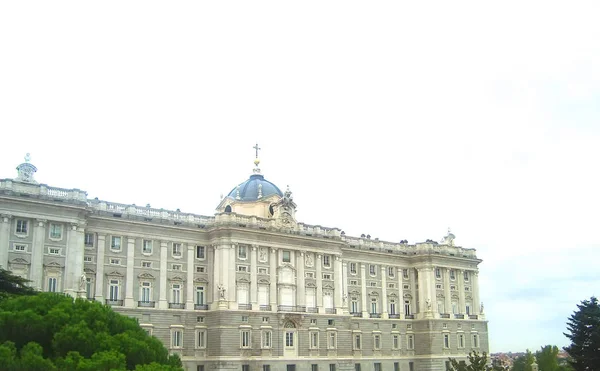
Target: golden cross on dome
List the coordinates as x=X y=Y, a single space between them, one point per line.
x=257 y=148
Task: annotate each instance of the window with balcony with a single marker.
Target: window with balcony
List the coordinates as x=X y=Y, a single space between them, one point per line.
x=199 y=295
x=113 y=290
x=374 y=306
x=147 y=247
x=176 y=293
x=145 y=292
x=21 y=227
x=200 y=252
x=176 y=250
x=354 y=308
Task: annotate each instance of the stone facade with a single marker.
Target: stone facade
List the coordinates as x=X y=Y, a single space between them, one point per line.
x=249 y=288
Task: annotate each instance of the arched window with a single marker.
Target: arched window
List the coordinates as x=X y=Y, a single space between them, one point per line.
x=228 y=208
x=289 y=324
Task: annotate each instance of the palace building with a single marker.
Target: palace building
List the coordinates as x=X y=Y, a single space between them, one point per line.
x=250 y=287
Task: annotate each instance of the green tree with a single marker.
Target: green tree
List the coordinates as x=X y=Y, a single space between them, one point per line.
x=547 y=358
x=584 y=333
x=13 y=285
x=477 y=362
x=524 y=362
x=75 y=335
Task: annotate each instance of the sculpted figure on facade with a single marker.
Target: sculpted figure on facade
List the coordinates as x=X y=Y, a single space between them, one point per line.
x=309 y=260
x=82 y=282
x=262 y=254
x=221 y=289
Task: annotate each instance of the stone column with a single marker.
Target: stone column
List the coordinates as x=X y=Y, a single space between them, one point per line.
x=476 y=300
x=130 y=279
x=99 y=294
x=231 y=269
x=345 y=294
x=447 y=292
x=162 y=293
x=414 y=303
x=461 y=292
x=338 y=280
x=253 y=277
x=421 y=290
x=210 y=270
x=384 y=301
x=74 y=260
x=433 y=292
x=37 y=254
x=300 y=283
x=319 y=280
x=189 y=300
x=363 y=290
x=273 y=286
x=4 y=236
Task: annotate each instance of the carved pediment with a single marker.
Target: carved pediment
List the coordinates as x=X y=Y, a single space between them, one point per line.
x=263 y=281
x=200 y=279
x=354 y=292
x=311 y=284
x=408 y=296
x=146 y=276
x=19 y=261
x=176 y=278
x=53 y=265
x=393 y=295
x=243 y=280
x=468 y=296
x=89 y=271
x=328 y=286
x=286 y=266
x=440 y=296
x=374 y=293
x=115 y=274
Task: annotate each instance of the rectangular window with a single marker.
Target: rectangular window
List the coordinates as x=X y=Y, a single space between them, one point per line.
x=406 y=287
x=88 y=288
x=145 y=292
x=373 y=284
x=87 y=259
x=242 y=252
x=374 y=306
x=314 y=367
x=199 y=252
x=147 y=247
x=242 y=268
x=396 y=366
x=377 y=366
x=20 y=248
x=267 y=337
x=326 y=276
x=88 y=239
x=21 y=226
x=200 y=269
x=395 y=342
x=52 y=284
x=405 y=274
x=411 y=366
x=392 y=307
x=354 y=282
x=286 y=257
x=289 y=339
x=55 y=231
x=262 y=270
x=201 y=339
x=266 y=368
x=244 y=318
x=326 y=261
x=410 y=342
x=330 y=322
x=113 y=290
x=377 y=342
x=461 y=341
x=357 y=367
x=475 y=341
x=314 y=340
x=265 y=319
x=245 y=367
x=332 y=367
x=310 y=274
x=353 y=268
x=200 y=319
x=176 y=249
x=466 y=276
x=115 y=243
x=391 y=285
x=438 y=273
x=391 y=271
x=146 y=264
x=357 y=341
x=176 y=267
x=245 y=338
x=176 y=293
x=438 y=286
x=54 y=251
x=313 y=321
x=372 y=269
x=199 y=295
x=354 y=305
x=452 y=274
x=176 y=338
x=446 y=341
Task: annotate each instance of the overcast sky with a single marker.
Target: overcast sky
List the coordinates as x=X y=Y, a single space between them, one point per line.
x=387 y=119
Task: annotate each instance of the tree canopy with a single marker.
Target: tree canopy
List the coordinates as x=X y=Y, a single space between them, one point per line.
x=11 y=285
x=477 y=362
x=55 y=332
x=584 y=332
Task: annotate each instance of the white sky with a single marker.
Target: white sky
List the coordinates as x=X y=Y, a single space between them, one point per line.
x=385 y=118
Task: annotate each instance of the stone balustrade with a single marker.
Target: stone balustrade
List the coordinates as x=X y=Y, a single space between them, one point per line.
x=42 y=191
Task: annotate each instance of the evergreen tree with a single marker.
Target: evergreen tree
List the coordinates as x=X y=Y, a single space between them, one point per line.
x=584 y=333
x=477 y=362
x=13 y=285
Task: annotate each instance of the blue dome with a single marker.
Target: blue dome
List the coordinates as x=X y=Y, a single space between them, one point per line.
x=249 y=189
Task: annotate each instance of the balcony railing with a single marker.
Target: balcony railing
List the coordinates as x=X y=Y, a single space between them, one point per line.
x=330 y=310
x=114 y=303
x=356 y=314
x=394 y=316
x=312 y=310
x=375 y=315
x=245 y=306
x=291 y=308
x=473 y=316
x=201 y=306
x=444 y=315
x=177 y=305
x=265 y=308
x=459 y=316
x=146 y=304
x=410 y=316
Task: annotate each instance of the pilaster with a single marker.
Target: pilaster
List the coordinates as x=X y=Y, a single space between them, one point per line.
x=129 y=280
x=37 y=254
x=414 y=303
x=345 y=295
x=476 y=300
x=339 y=288
x=384 y=298
x=189 y=299
x=363 y=290
x=447 y=292
x=319 y=281
x=273 y=286
x=74 y=259
x=253 y=277
x=231 y=275
x=461 y=292
x=4 y=237
x=300 y=281
x=99 y=293
x=162 y=292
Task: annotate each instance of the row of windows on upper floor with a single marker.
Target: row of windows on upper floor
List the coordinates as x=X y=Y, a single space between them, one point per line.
x=22 y=228
x=332 y=367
